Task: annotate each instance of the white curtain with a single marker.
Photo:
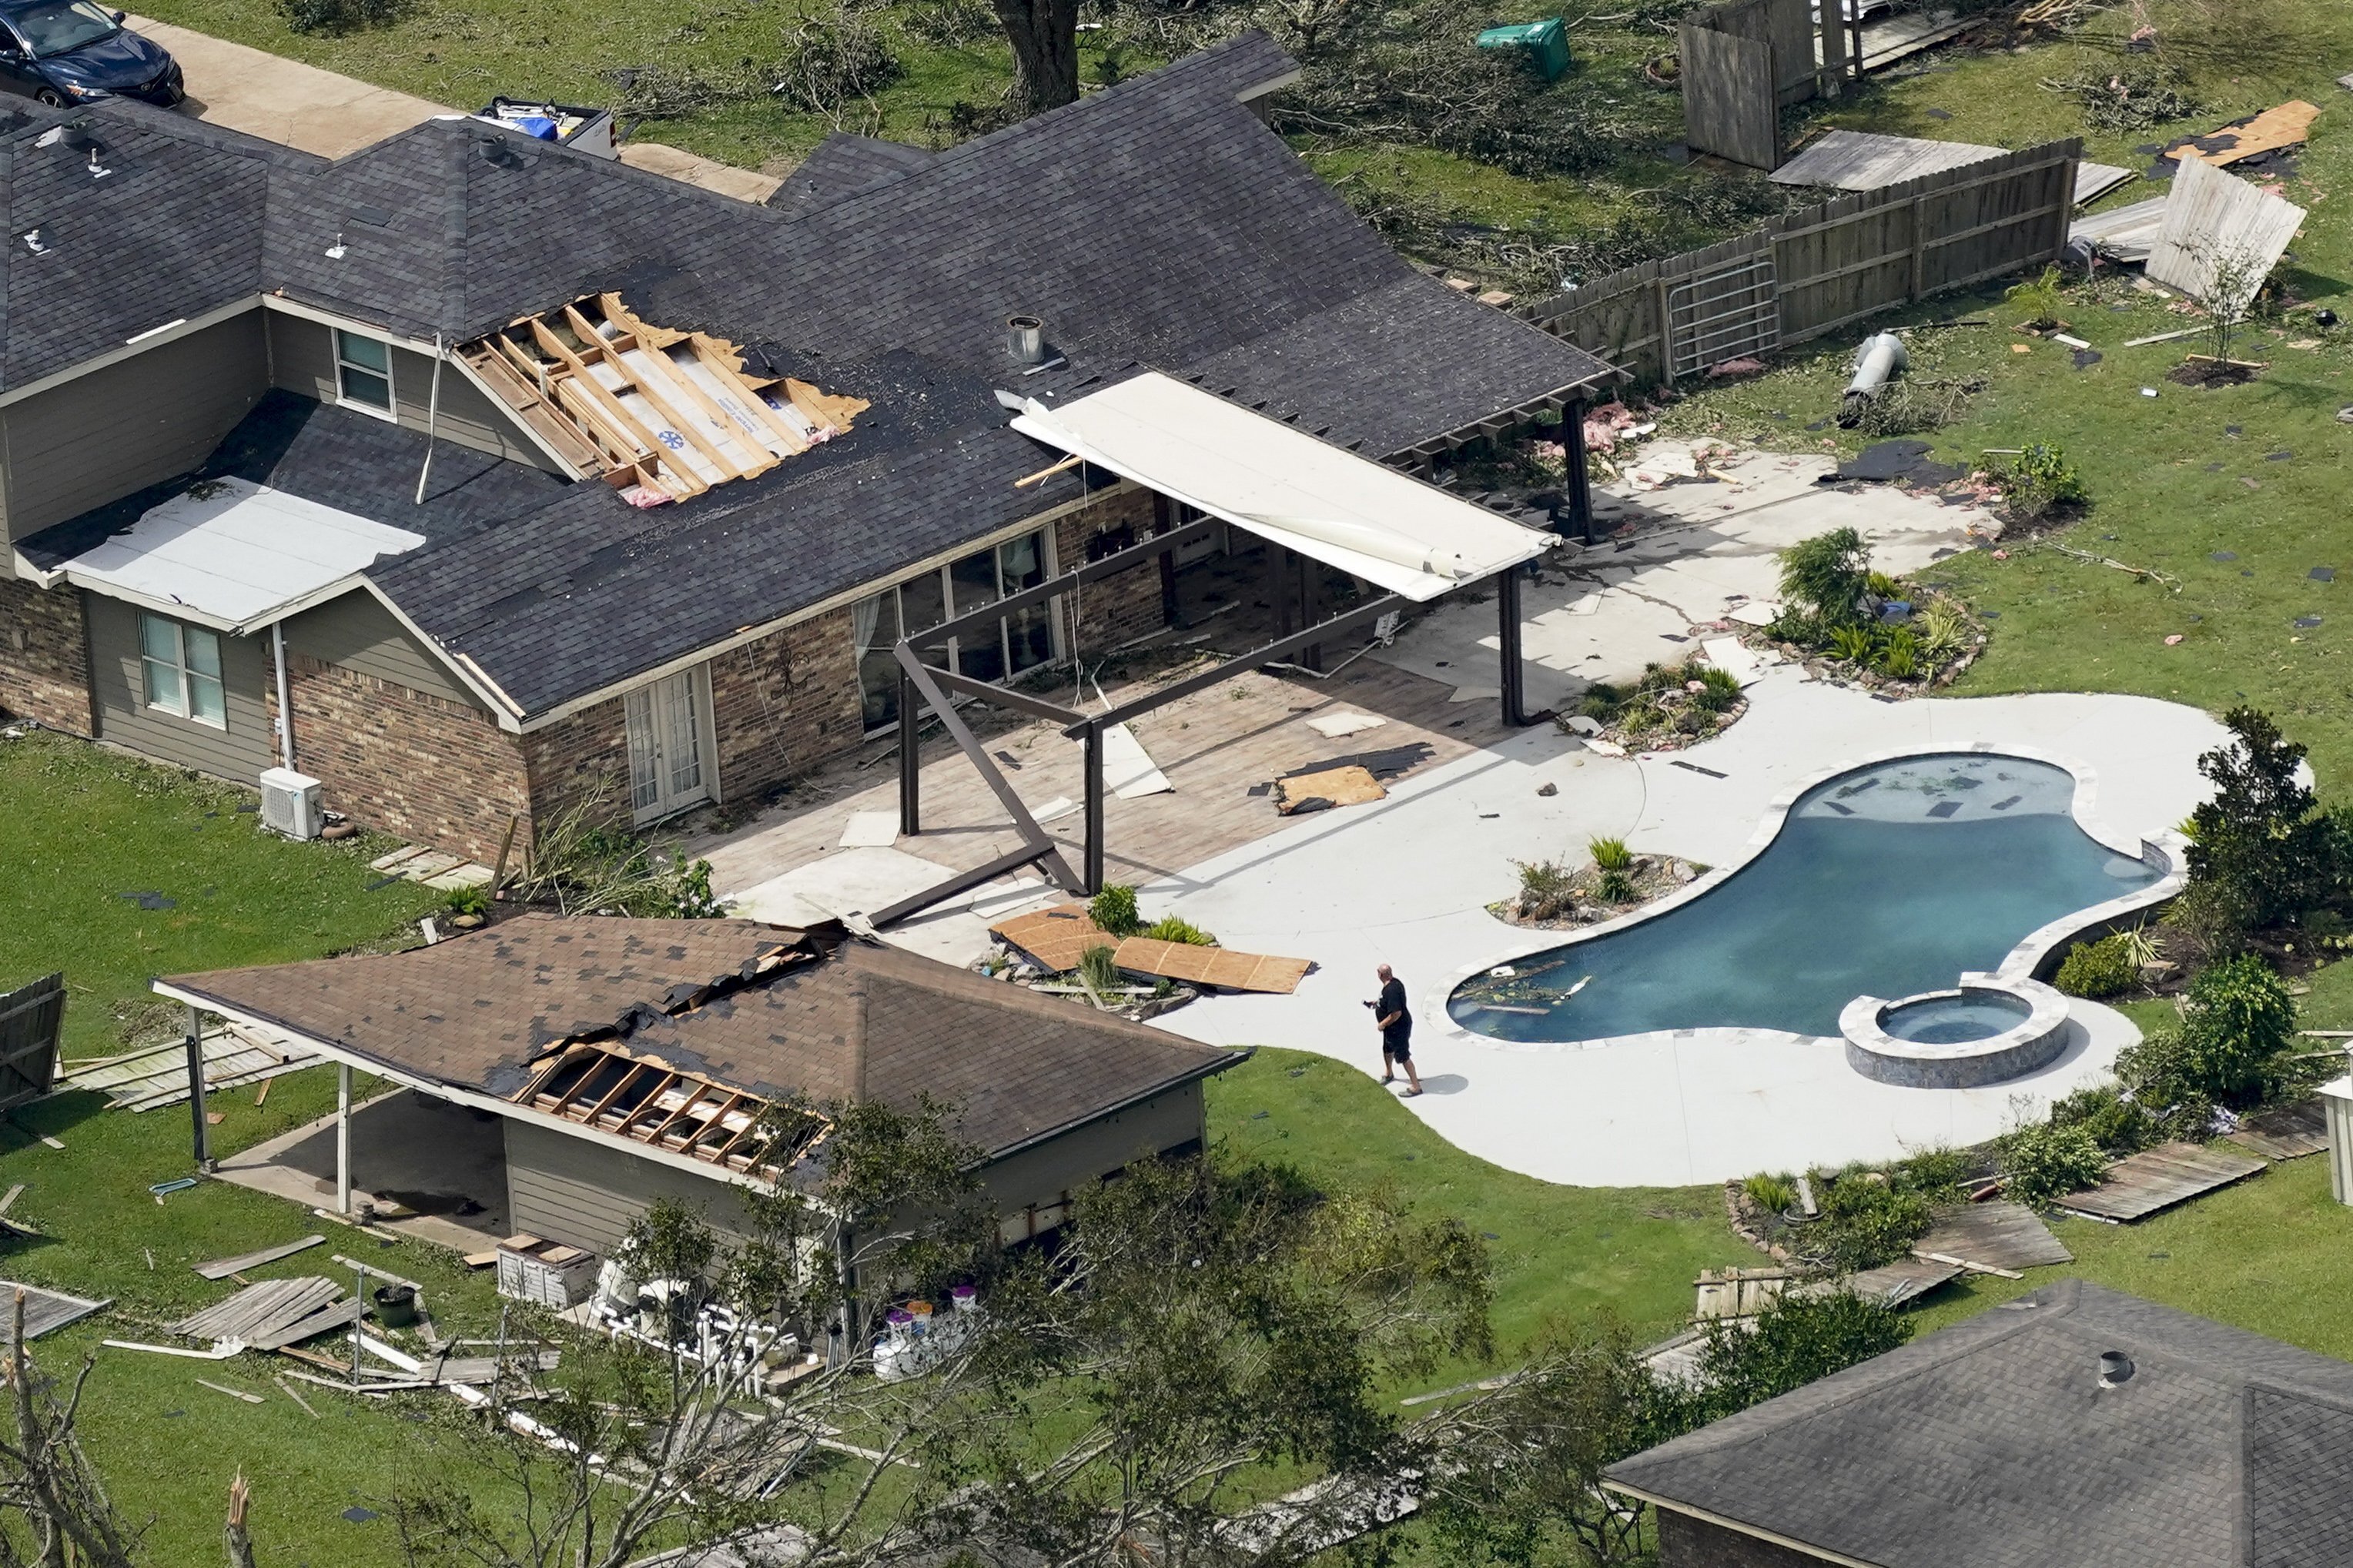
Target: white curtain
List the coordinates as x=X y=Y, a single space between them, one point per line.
x=864 y=616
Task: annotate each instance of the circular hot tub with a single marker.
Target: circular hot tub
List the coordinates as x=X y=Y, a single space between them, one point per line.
x=1987 y=1030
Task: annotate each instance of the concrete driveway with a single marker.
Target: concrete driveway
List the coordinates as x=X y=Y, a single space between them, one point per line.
x=325 y=112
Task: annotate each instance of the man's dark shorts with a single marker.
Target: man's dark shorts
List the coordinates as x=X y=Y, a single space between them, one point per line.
x=1397 y=1044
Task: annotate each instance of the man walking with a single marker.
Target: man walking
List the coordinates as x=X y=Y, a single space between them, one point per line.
x=1396 y=1025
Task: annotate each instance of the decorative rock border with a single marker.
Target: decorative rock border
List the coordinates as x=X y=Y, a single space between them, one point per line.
x=2035 y=1042
x=2035 y=957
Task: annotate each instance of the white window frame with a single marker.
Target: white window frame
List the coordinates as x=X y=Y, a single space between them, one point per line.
x=647 y=712
x=943 y=570
x=183 y=671
x=391 y=409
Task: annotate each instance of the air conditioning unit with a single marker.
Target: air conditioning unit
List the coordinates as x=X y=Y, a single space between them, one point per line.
x=290 y=803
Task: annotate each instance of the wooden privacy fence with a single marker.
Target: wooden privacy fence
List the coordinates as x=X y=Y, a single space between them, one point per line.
x=1816 y=269
x=30 y=1019
x=1741 y=63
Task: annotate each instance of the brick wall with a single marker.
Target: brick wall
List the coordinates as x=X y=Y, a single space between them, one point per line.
x=1114 y=609
x=783 y=704
x=569 y=759
x=1688 y=1542
x=420 y=766
x=44 y=655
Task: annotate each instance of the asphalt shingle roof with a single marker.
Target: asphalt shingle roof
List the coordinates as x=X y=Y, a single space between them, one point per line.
x=841 y=165
x=1993 y=1445
x=1156 y=222
x=857 y=1021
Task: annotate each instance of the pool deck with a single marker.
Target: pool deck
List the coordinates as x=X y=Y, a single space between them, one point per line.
x=1406 y=881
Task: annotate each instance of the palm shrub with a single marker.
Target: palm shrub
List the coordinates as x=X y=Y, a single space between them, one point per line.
x=1943 y=630
x=1178 y=929
x=2038 y=298
x=1854 y=643
x=1614 y=886
x=1828 y=573
x=1610 y=854
x=1899 y=654
x=1099 y=970
x=1719 y=689
x=1774 y=1195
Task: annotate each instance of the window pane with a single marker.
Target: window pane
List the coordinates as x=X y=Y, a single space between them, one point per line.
x=163 y=686
x=975 y=582
x=645 y=751
x=1029 y=637
x=878 y=687
x=978 y=655
x=680 y=742
x=159 y=638
x=923 y=603
x=1023 y=563
x=205 y=704
x=365 y=386
x=370 y=351
x=204 y=650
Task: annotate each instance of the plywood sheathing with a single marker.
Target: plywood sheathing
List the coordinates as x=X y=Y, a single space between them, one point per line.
x=1350 y=786
x=642 y=404
x=2284 y=126
x=1059 y=937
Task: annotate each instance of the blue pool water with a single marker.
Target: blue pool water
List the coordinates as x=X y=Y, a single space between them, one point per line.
x=1887 y=881
x=1956 y=1020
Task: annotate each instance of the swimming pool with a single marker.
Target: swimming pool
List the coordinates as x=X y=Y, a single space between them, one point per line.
x=1889 y=881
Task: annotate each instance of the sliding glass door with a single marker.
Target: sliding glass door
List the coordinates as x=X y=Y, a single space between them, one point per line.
x=1021 y=641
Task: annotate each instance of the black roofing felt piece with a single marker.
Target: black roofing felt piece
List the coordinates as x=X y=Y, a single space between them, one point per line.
x=2307 y=621
x=2323 y=574
x=2225 y=555
x=1993 y=1443
x=1904 y=460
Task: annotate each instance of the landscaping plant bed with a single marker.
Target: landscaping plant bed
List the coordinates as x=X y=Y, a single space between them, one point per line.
x=1553 y=899
x=1671 y=705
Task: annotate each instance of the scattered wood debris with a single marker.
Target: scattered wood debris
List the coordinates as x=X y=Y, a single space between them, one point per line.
x=221 y=1268
x=2157 y=1179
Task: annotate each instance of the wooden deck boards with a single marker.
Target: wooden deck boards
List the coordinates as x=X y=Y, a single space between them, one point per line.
x=2286 y=1132
x=1903 y=1281
x=1997 y=1235
x=2157 y=1179
x=45 y=1311
x=1214 y=746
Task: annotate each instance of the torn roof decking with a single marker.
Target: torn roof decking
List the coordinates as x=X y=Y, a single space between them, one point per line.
x=648 y=1100
x=641 y=405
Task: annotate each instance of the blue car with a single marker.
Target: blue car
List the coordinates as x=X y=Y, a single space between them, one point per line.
x=71 y=51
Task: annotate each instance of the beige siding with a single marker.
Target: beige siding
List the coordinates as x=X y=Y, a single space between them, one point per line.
x=358 y=633
x=119 y=689
x=585 y=1193
x=100 y=437
x=302 y=360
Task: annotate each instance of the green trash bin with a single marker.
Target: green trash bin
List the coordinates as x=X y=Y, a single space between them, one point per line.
x=1546 y=44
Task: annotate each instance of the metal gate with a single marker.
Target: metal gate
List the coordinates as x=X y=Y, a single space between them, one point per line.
x=1723 y=315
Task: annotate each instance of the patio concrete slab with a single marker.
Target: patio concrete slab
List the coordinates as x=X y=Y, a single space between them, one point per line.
x=1406 y=881
x=1699 y=552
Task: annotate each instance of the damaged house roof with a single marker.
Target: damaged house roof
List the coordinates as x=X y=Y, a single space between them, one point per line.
x=764 y=1013
x=1154 y=224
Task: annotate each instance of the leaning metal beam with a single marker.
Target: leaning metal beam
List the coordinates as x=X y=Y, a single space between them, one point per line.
x=1004 y=696
x=1136 y=554
x=916 y=903
x=1282 y=647
x=1026 y=825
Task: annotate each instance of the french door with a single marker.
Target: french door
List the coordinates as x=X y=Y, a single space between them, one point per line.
x=669 y=767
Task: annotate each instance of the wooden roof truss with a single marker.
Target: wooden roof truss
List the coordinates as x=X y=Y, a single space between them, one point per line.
x=645 y=1100
x=665 y=413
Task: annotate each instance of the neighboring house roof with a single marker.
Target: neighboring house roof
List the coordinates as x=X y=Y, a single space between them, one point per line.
x=1992 y=1444
x=775 y=1013
x=841 y=165
x=1155 y=223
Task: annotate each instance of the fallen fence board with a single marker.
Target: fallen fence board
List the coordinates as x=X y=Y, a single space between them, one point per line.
x=1893 y=1284
x=2286 y=1132
x=1866 y=160
x=2157 y=1179
x=222 y=1268
x=2215 y=224
x=44 y=1310
x=1998 y=1236
x=341 y=1315
x=259 y=1310
x=2093 y=181
x=2124 y=233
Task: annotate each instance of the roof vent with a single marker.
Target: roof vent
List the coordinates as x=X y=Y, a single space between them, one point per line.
x=1025 y=339
x=2115 y=1367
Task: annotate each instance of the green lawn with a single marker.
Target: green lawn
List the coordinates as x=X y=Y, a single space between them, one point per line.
x=85 y=825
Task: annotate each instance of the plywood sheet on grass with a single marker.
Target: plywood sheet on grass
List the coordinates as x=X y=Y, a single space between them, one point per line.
x=2282 y=126
x=2157 y=1179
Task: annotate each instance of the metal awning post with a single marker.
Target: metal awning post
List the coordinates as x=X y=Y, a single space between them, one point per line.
x=1093 y=762
x=1510 y=667
x=197 y=1090
x=911 y=768
x=1580 y=484
x=343 y=1138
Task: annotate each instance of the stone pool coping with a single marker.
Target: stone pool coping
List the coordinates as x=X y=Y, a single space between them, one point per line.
x=2160 y=849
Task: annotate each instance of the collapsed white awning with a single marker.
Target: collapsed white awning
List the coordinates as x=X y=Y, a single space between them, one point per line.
x=1284 y=485
x=234 y=555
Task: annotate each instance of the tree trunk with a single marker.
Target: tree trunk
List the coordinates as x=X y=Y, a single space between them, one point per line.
x=1045 y=38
